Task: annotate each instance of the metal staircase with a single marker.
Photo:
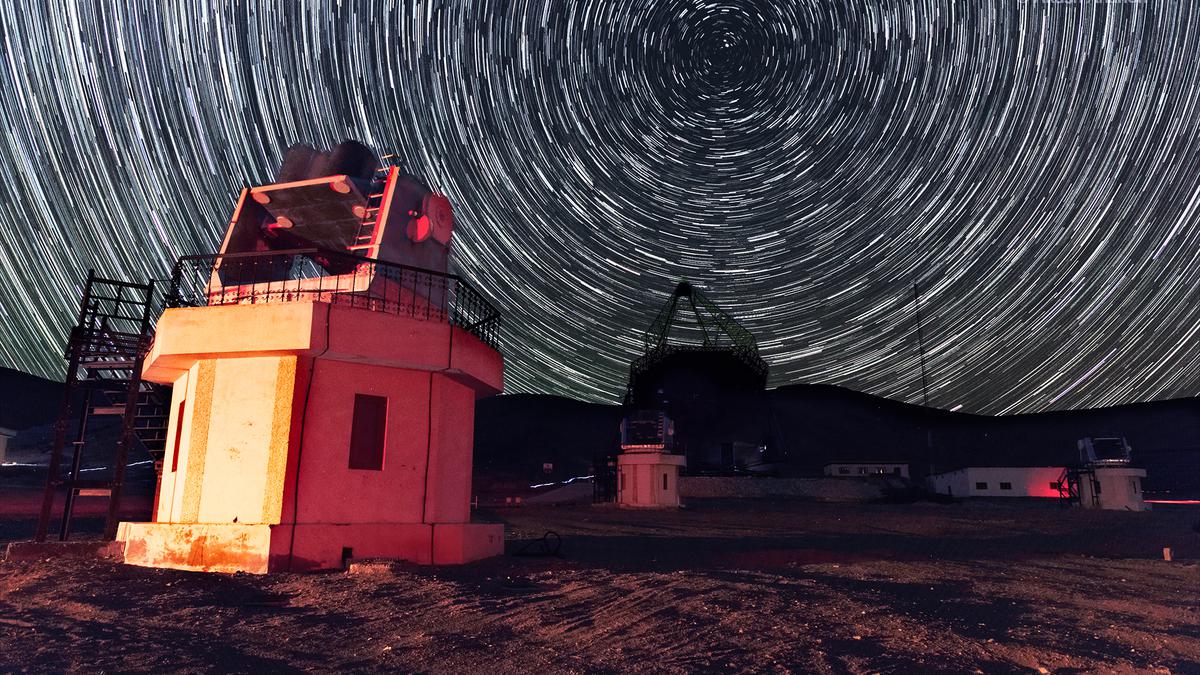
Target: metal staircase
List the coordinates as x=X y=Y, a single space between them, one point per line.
x=1068 y=487
x=104 y=356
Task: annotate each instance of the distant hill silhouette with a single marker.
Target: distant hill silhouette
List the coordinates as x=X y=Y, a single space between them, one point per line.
x=816 y=424
x=27 y=400
x=823 y=422
x=515 y=434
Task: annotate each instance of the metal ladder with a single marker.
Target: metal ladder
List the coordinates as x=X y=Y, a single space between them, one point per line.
x=367 y=228
x=104 y=356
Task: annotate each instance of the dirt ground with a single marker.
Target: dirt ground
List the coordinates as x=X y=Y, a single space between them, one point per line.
x=747 y=585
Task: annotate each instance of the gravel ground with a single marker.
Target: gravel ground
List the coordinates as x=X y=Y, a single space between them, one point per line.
x=724 y=585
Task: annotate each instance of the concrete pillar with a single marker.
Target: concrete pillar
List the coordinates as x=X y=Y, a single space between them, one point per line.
x=5 y=434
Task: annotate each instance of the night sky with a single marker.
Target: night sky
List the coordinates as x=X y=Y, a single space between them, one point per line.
x=1033 y=165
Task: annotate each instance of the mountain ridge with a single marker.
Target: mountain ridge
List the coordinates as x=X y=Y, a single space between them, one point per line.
x=518 y=434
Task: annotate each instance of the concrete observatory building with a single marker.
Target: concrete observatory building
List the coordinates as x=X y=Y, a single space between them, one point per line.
x=324 y=368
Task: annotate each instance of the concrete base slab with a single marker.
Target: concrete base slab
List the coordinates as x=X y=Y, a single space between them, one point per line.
x=458 y=543
x=261 y=548
x=201 y=547
x=326 y=546
x=41 y=550
x=372 y=568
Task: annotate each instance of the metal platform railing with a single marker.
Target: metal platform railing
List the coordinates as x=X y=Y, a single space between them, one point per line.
x=303 y=275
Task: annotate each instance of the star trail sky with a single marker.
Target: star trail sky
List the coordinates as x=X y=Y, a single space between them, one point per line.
x=1033 y=165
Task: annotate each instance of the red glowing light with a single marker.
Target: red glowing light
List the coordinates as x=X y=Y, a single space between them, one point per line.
x=419 y=229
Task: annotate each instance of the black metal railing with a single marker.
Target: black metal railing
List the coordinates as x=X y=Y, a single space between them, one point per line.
x=303 y=275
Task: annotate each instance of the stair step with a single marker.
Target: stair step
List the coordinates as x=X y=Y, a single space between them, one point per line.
x=109 y=410
x=108 y=365
x=113 y=386
x=359 y=247
x=94 y=492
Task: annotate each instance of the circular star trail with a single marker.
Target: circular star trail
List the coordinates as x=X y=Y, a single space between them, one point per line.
x=1034 y=167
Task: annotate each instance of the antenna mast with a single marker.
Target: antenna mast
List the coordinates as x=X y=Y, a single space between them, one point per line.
x=921 y=346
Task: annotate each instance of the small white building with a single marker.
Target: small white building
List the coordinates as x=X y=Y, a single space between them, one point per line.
x=858 y=469
x=999 y=481
x=648 y=479
x=1112 y=487
x=1101 y=487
